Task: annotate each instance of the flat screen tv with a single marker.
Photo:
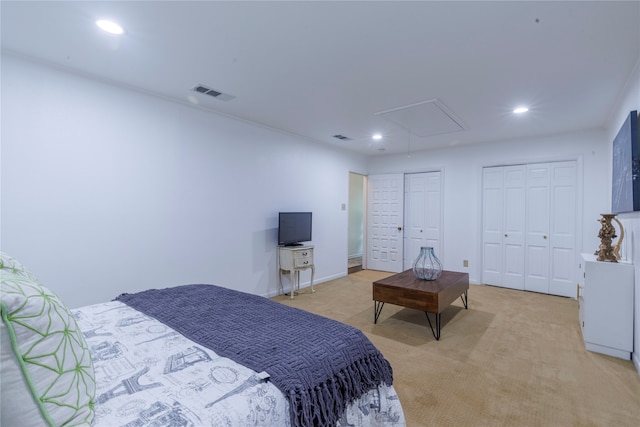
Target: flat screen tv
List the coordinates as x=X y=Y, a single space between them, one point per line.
x=625 y=195
x=294 y=228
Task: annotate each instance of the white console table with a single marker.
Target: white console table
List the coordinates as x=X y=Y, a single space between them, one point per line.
x=292 y=260
x=605 y=306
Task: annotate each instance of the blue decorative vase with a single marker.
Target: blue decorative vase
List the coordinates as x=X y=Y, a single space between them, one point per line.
x=427 y=266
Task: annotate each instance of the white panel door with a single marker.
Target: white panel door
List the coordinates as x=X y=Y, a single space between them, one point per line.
x=503 y=236
x=385 y=215
x=562 y=233
x=492 y=225
x=422 y=210
x=433 y=210
x=414 y=217
x=537 y=253
x=514 y=226
x=530 y=227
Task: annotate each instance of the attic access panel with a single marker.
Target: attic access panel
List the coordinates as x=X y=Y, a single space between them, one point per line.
x=426 y=118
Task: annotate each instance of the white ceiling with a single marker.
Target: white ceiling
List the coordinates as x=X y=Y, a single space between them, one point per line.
x=324 y=68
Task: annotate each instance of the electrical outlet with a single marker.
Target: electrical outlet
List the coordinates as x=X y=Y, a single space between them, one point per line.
x=344 y=207
x=465 y=263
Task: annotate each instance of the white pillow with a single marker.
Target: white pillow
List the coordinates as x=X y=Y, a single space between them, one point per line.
x=8 y=264
x=47 y=372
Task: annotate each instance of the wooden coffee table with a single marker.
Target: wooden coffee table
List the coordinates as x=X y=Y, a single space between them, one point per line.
x=430 y=296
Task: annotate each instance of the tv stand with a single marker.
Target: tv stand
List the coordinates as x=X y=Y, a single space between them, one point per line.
x=292 y=260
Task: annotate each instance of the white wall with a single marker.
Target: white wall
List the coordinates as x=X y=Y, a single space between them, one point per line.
x=106 y=190
x=462 y=175
x=630 y=100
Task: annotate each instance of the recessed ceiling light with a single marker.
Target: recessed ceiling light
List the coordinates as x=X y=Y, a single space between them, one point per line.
x=520 y=110
x=377 y=136
x=110 y=27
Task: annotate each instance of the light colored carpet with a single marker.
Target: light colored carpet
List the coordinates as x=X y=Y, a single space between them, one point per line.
x=513 y=358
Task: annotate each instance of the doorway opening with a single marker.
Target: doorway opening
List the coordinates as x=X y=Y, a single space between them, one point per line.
x=356 y=222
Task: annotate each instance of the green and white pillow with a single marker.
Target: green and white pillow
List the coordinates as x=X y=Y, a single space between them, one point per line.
x=47 y=371
x=8 y=264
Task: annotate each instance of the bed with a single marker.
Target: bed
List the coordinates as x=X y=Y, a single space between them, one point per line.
x=191 y=355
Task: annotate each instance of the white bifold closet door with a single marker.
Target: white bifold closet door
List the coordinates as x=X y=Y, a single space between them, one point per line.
x=504 y=226
x=422 y=215
x=529 y=227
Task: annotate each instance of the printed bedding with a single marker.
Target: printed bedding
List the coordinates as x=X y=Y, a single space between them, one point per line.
x=319 y=364
x=111 y=364
x=147 y=374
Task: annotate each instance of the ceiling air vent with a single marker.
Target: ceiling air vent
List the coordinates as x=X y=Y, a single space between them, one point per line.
x=212 y=92
x=342 y=137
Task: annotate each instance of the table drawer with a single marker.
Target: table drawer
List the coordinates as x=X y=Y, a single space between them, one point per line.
x=306 y=253
x=303 y=261
x=295 y=258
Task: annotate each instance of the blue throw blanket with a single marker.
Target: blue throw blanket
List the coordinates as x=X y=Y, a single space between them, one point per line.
x=319 y=364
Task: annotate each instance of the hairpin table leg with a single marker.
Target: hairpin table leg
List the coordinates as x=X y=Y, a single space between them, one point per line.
x=377 y=309
x=436 y=333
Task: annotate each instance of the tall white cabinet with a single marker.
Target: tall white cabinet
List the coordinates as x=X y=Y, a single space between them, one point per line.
x=529 y=227
x=605 y=306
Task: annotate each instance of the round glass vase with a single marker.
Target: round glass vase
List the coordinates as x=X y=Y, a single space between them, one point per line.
x=427 y=266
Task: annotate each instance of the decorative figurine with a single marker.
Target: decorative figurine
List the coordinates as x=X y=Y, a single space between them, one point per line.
x=606 y=234
x=616 y=248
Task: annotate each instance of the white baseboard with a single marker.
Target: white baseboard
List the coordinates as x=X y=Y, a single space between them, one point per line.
x=636 y=361
x=305 y=284
x=614 y=352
